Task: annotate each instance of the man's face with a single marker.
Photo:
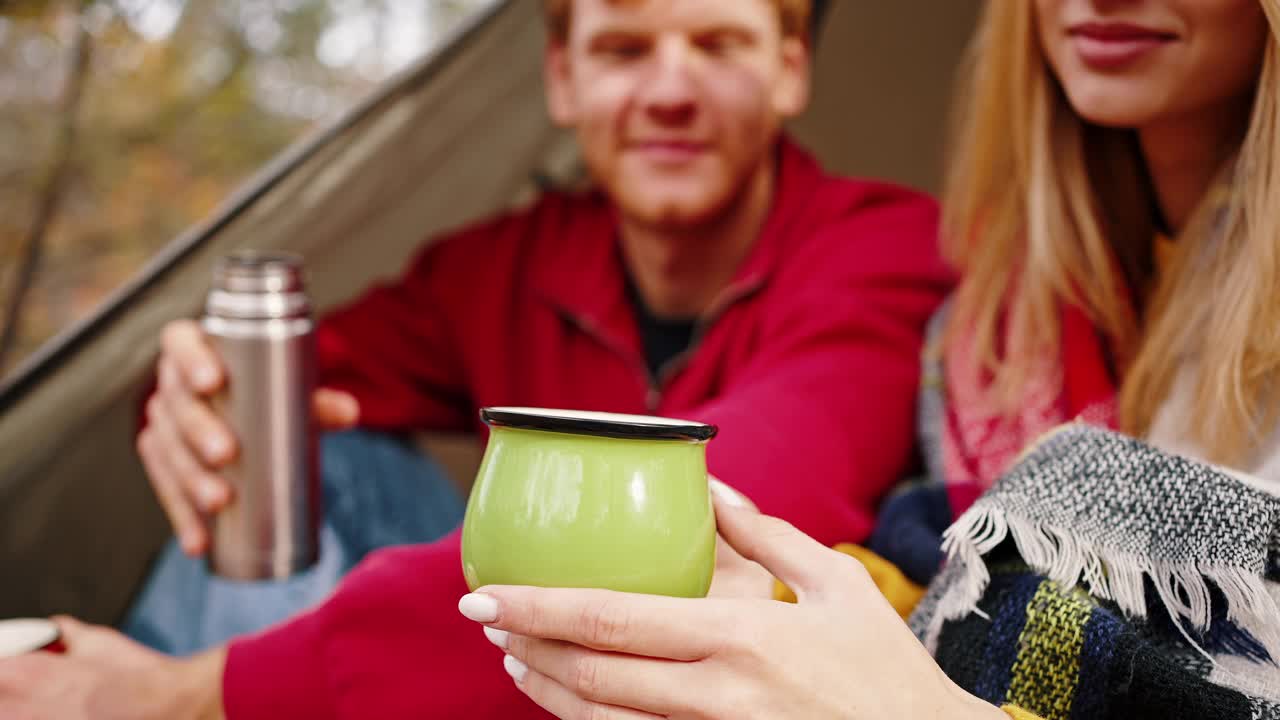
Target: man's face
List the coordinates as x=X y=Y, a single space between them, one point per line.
x=676 y=103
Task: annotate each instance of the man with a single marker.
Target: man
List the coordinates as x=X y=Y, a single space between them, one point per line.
x=718 y=275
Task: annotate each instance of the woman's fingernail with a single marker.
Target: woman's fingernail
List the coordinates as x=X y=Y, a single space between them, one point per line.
x=516 y=669
x=498 y=637
x=478 y=608
x=731 y=497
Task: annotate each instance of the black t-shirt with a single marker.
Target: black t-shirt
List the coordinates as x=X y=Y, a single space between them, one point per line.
x=662 y=338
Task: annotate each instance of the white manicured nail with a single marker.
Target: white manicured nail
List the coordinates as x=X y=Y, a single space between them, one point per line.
x=478 y=607
x=516 y=669
x=731 y=497
x=497 y=637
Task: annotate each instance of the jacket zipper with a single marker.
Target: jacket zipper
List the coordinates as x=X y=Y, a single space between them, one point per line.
x=654 y=383
x=589 y=326
x=728 y=299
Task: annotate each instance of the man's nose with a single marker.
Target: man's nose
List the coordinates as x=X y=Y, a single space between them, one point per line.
x=669 y=94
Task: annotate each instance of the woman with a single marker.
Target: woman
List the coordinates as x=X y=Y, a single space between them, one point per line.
x=1114 y=205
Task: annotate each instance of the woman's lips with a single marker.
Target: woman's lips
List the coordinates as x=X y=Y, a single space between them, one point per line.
x=1113 y=46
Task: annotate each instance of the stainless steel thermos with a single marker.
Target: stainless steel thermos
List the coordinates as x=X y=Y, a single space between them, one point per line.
x=258 y=319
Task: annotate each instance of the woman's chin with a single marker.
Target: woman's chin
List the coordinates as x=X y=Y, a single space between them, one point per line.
x=1115 y=110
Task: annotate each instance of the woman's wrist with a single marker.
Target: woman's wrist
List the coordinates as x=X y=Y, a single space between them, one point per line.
x=970 y=707
x=979 y=709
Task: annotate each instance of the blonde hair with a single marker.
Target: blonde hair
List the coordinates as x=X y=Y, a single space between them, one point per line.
x=794 y=15
x=1041 y=208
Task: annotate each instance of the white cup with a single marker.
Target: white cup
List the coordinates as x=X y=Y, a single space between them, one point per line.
x=28 y=635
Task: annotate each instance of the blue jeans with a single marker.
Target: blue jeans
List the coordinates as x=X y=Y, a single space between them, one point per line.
x=378 y=491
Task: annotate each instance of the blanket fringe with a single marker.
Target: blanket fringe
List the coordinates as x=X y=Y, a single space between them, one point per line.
x=1183 y=588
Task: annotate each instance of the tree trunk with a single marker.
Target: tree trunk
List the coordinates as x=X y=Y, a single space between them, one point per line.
x=53 y=189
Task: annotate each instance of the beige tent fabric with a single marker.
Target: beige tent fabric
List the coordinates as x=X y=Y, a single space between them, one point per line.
x=457 y=137
x=882 y=86
x=78 y=525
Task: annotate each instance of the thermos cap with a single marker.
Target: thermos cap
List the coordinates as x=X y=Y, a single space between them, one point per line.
x=258 y=286
x=259 y=272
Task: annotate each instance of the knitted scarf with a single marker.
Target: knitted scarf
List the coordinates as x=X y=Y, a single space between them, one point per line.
x=966 y=444
x=980 y=442
x=1104 y=578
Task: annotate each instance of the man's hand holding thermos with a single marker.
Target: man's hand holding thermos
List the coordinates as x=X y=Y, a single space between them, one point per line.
x=230 y=443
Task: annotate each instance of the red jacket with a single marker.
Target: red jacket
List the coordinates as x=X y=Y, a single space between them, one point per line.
x=808 y=363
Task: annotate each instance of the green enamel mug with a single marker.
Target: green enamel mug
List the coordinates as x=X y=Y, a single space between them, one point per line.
x=591 y=500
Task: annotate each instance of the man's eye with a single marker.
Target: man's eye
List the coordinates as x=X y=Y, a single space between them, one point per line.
x=720 y=43
x=623 y=51
x=714 y=46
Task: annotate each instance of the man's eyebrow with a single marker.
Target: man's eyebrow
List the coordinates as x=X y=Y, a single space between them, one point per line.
x=738 y=32
x=619 y=32
x=616 y=33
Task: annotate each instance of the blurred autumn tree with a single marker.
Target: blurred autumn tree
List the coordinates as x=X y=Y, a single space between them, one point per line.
x=123 y=122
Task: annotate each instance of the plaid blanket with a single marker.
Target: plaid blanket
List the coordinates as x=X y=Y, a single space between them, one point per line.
x=1102 y=577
